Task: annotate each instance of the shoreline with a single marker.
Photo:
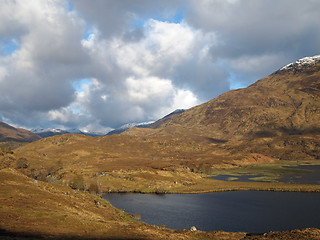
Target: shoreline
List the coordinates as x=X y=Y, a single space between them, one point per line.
x=306 y=188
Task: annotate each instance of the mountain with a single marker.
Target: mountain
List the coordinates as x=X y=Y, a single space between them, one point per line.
x=286 y=102
x=9 y=133
x=130 y=125
x=152 y=124
x=49 y=132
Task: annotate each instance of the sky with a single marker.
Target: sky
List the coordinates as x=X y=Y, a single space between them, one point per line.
x=97 y=64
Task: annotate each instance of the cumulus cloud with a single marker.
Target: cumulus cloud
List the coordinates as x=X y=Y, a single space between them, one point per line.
x=102 y=63
x=116 y=18
x=263 y=33
x=37 y=75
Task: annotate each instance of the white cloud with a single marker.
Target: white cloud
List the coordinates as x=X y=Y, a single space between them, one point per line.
x=261 y=34
x=143 y=91
x=184 y=99
x=62 y=115
x=259 y=64
x=3 y=73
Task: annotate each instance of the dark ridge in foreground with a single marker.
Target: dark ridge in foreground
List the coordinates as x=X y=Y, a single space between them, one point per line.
x=9 y=133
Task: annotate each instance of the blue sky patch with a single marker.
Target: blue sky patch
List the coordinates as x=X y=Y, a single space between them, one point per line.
x=177 y=18
x=69 y=6
x=8 y=46
x=78 y=85
x=87 y=32
x=235 y=82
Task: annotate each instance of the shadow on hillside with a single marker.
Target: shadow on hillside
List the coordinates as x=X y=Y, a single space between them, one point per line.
x=5 y=235
x=285 y=131
x=215 y=140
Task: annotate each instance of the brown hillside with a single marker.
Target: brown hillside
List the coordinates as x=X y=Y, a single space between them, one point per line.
x=9 y=133
x=285 y=103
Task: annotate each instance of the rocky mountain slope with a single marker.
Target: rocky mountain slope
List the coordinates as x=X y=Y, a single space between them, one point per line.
x=285 y=103
x=9 y=133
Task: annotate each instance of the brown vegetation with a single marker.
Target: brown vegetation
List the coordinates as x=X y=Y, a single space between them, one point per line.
x=9 y=133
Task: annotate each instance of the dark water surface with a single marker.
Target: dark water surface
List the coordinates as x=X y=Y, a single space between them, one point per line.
x=239 y=211
x=312 y=176
x=305 y=174
x=237 y=178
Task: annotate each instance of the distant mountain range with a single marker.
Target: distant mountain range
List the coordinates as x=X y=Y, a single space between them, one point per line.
x=9 y=133
x=152 y=124
x=49 y=132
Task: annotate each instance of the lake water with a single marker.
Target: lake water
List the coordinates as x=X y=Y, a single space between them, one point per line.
x=306 y=174
x=312 y=176
x=237 y=178
x=238 y=211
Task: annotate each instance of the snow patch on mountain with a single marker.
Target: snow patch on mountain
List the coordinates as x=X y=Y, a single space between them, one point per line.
x=45 y=132
x=41 y=130
x=302 y=62
x=129 y=125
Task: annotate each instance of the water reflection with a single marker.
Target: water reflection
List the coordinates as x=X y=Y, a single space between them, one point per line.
x=304 y=174
x=311 y=176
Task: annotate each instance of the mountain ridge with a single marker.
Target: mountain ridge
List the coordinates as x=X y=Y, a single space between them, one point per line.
x=49 y=132
x=10 y=133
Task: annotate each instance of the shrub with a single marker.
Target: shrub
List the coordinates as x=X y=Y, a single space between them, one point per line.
x=39 y=174
x=77 y=182
x=22 y=163
x=7 y=150
x=160 y=190
x=137 y=216
x=94 y=187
